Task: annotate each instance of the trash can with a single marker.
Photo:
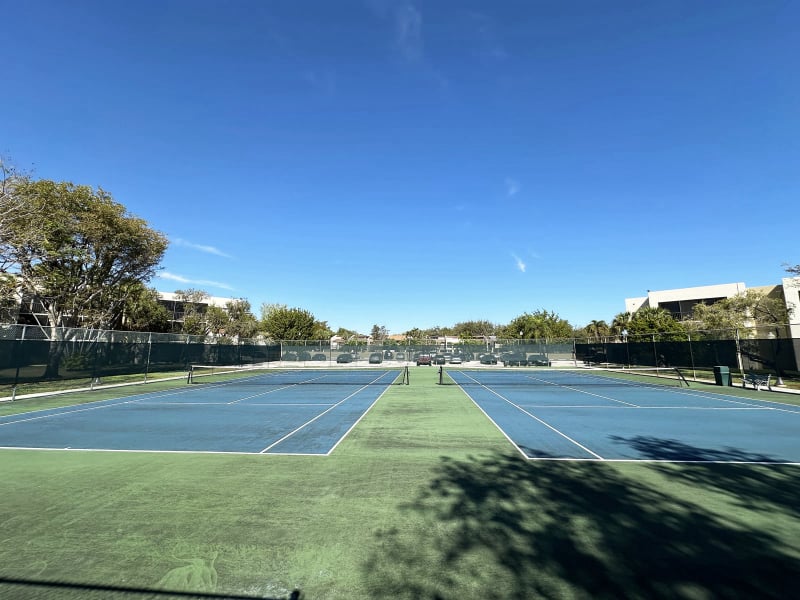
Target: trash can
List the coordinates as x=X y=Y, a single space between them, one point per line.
x=722 y=375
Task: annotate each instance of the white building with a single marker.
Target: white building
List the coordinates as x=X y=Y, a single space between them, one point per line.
x=681 y=302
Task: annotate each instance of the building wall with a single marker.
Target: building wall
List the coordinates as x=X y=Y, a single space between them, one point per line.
x=791 y=292
x=680 y=301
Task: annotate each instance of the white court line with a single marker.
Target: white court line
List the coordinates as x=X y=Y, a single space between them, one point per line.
x=353 y=426
x=244 y=405
x=307 y=423
x=562 y=434
x=573 y=389
x=671 y=407
x=280 y=389
x=108 y=403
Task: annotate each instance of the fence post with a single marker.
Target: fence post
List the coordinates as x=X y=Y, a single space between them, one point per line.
x=739 y=362
x=147 y=360
x=655 y=352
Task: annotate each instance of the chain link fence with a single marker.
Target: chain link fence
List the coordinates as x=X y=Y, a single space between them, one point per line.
x=30 y=354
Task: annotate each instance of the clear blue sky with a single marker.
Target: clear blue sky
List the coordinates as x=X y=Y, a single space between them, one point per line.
x=420 y=163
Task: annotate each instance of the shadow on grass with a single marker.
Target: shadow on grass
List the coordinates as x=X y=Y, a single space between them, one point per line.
x=766 y=489
x=24 y=589
x=500 y=527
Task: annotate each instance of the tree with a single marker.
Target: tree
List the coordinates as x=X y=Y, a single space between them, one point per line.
x=195 y=308
x=540 y=324
x=282 y=323
x=379 y=334
x=242 y=323
x=735 y=312
x=651 y=320
x=474 y=329
x=143 y=311
x=75 y=251
x=597 y=329
x=620 y=323
x=793 y=269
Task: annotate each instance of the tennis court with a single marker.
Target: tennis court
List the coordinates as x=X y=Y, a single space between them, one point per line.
x=590 y=415
x=238 y=411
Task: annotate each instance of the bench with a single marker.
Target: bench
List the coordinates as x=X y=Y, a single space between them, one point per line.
x=757 y=381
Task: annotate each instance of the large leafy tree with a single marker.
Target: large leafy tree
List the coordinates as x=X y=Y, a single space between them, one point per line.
x=282 y=323
x=242 y=323
x=143 y=311
x=75 y=251
x=736 y=312
x=474 y=329
x=652 y=320
x=540 y=324
x=196 y=317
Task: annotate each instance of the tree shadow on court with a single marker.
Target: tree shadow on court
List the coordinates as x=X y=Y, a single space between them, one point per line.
x=501 y=527
x=752 y=487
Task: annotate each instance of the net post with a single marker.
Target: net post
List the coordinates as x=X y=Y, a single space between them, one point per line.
x=189 y=374
x=441 y=375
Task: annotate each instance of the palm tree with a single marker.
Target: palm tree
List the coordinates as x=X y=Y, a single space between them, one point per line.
x=597 y=329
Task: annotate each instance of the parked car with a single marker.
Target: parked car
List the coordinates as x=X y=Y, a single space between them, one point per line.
x=513 y=359
x=344 y=358
x=400 y=356
x=455 y=360
x=488 y=359
x=292 y=356
x=319 y=356
x=424 y=359
x=375 y=358
x=538 y=360
x=439 y=359
x=304 y=356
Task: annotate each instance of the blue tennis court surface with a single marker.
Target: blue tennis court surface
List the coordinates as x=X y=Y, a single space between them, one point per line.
x=581 y=416
x=306 y=412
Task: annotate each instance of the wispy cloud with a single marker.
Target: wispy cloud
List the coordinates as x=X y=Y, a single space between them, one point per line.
x=512 y=187
x=181 y=279
x=323 y=81
x=408 y=32
x=200 y=247
x=520 y=265
x=488 y=46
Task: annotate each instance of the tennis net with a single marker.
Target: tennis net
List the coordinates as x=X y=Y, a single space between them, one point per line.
x=568 y=377
x=252 y=375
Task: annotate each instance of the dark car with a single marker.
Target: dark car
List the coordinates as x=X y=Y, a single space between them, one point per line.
x=439 y=359
x=424 y=359
x=289 y=356
x=344 y=358
x=488 y=359
x=538 y=360
x=375 y=358
x=304 y=356
x=319 y=356
x=515 y=360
